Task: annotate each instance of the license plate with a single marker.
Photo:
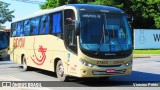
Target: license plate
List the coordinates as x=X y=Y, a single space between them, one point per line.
x=110 y=70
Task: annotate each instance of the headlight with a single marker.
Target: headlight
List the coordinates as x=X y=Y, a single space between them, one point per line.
x=128 y=63
x=86 y=63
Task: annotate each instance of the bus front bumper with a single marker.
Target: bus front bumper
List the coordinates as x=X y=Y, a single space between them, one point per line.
x=98 y=71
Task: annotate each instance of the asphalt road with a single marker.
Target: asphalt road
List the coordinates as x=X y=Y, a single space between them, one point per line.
x=145 y=70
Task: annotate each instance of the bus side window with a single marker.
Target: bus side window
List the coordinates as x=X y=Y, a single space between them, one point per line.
x=45 y=22
x=14 y=26
x=68 y=17
x=34 y=26
x=71 y=36
x=26 y=27
x=19 y=29
x=56 y=25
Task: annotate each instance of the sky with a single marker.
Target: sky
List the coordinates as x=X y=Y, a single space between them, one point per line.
x=21 y=9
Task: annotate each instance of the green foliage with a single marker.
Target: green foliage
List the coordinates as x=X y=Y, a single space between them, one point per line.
x=2 y=27
x=5 y=13
x=108 y=3
x=146 y=12
x=157 y=51
x=56 y=3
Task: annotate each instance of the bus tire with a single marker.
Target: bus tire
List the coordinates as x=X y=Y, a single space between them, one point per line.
x=60 y=72
x=24 y=64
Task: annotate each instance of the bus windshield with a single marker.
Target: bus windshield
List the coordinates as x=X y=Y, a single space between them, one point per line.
x=3 y=40
x=104 y=32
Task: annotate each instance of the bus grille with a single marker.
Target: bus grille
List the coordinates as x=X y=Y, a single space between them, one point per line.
x=109 y=65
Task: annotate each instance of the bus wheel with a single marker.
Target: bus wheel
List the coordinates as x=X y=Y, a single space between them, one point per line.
x=24 y=67
x=60 y=71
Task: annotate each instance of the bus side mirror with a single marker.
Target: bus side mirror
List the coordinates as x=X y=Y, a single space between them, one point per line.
x=130 y=18
x=77 y=28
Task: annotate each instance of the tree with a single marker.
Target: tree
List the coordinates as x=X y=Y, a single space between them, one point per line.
x=146 y=12
x=114 y=3
x=56 y=3
x=5 y=13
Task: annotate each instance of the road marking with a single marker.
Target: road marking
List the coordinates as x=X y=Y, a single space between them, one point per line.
x=8 y=78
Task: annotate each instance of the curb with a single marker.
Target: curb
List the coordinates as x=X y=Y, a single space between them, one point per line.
x=146 y=55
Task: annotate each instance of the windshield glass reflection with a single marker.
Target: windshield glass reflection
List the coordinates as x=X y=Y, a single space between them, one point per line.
x=104 y=32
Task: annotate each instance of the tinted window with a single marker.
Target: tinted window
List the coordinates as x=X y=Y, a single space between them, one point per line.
x=69 y=17
x=14 y=26
x=19 y=29
x=45 y=21
x=26 y=27
x=34 y=26
x=56 y=27
x=71 y=35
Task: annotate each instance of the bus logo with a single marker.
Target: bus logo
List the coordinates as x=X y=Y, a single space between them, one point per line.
x=39 y=61
x=19 y=42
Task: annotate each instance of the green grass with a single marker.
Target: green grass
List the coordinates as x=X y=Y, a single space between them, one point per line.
x=157 y=51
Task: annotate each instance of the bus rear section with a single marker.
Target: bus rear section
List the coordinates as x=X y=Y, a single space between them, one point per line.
x=3 y=44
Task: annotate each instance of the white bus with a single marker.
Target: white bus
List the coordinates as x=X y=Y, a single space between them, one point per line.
x=75 y=40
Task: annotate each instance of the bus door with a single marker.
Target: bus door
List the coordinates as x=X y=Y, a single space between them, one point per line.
x=70 y=41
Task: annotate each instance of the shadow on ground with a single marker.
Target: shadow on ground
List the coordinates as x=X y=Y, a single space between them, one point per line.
x=135 y=77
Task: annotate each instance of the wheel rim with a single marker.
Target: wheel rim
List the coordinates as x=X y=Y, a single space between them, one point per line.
x=60 y=70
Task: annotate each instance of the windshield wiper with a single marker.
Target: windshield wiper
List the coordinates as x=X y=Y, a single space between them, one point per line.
x=117 y=41
x=109 y=41
x=103 y=34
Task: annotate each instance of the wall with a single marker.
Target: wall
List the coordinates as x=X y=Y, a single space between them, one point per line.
x=146 y=39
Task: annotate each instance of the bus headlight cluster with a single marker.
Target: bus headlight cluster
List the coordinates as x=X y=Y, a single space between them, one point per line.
x=86 y=63
x=128 y=63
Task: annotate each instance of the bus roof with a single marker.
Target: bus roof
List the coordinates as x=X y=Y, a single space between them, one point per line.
x=96 y=8
x=79 y=7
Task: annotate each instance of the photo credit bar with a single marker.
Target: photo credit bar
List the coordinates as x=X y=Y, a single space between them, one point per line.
x=82 y=84
x=21 y=84
x=6 y=84
x=146 y=84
